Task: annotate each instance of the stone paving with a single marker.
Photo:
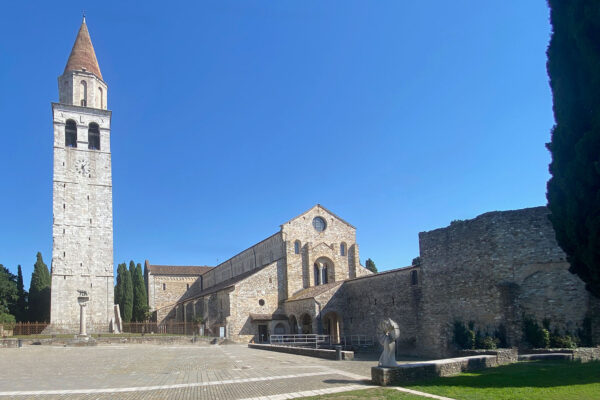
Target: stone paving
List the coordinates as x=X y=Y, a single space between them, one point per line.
x=198 y=371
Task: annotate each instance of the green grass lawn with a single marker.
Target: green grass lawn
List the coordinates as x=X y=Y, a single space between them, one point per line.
x=536 y=380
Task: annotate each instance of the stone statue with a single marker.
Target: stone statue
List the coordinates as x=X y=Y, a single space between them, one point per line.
x=387 y=333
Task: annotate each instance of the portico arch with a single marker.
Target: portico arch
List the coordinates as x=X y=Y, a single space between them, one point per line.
x=293 y=324
x=306 y=324
x=332 y=326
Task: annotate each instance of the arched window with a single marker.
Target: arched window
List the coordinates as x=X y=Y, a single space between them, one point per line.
x=101 y=92
x=414 y=277
x=342 y=249
x=83 y=93
x=297 y=247
x=317 y=277
x=71 y=133
x=93 y=136
x=324 y=280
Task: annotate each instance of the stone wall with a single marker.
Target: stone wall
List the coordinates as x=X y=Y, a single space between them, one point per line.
x=265 y=252
x=492 y=270
x=165 y=291
x=363 y=302
x=82 y=230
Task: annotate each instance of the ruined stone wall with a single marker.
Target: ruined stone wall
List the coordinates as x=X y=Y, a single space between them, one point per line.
x=491 y=270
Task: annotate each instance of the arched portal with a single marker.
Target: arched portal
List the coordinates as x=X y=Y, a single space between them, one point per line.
x=293 y=325
x=306 y=321
x=279 y=329
x=332 y=326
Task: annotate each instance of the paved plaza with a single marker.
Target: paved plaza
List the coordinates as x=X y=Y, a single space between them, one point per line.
x=198 y=371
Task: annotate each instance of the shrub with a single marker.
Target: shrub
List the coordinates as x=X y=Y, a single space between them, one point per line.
x=500 y=335
x=464 y=337
x=7 y=321
x=585 y=332
x=562 y=342
x=535 y=335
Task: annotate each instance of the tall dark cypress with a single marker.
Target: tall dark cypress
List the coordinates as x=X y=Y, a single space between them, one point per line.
x=574 y=188
x=140 y=299
x=21 y=313
x=39 y=292
x=127 y=310
x=119 y=288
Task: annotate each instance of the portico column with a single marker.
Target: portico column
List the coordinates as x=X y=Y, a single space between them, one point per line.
x=82 y=322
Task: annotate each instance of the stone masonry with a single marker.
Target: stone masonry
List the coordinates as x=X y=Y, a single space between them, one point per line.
x=82 y=230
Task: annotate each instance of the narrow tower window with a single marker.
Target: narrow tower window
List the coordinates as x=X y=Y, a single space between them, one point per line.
x=317 y=277
x=297 y=247
x=343 y=249
x=71 y=134
x=324 y=280
x=93 y=136
x=101 y=92
x=414 y=277
x=83 y=93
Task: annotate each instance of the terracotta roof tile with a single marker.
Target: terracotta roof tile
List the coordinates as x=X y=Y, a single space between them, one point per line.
x=83 y=55
x=178 y=269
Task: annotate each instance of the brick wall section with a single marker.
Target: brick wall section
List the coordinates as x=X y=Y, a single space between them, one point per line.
x=491 y=270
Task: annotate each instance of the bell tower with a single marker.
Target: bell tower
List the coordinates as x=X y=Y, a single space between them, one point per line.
x=82 y=228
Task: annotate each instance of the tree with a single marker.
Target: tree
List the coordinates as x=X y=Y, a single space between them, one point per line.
x=39 y=291
x=8 y=295
x=127 y=309
x=119 y=293
x=21 y=313
x=140 y=299
x=370 y=265
x=574 y=188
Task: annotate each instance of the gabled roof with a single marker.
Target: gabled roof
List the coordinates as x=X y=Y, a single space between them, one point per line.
x=83 y=55
x=177 y=269
x=322 y=208
x=314 y=291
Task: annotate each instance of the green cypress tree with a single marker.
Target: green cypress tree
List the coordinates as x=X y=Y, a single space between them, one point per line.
x=22 y=297
x=370 y=265
x=119 y=288
x=39 y=291
x=140 y=299
x=574 y=188
x=127 y=310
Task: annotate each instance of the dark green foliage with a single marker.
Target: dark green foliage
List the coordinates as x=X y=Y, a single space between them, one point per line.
x=558 y=341
x=370 y=265
x=574 y=188
x=39 y=292
x=140 y=299
x=119 y=287
x=21 y=311
x=7 y=320
x=416 y=261
x=534 y=334
x=145 y=275
x=500 y=335
x=127 y=311
x=584 y=333
x=464 y=337
x=8 y=292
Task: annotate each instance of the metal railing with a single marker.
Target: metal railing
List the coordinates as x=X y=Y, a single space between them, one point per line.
x=357 y=341
x=300 y=340
x=166 y=328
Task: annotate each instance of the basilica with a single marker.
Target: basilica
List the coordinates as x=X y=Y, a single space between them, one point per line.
x=492 y=271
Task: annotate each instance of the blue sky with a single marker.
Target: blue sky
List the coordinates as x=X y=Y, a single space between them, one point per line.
x=230 y=118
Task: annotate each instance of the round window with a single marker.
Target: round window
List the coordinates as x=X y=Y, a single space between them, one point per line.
x=319 y=224
x=261 y=302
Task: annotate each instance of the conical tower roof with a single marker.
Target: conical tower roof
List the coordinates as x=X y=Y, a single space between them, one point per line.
x=83 y=55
